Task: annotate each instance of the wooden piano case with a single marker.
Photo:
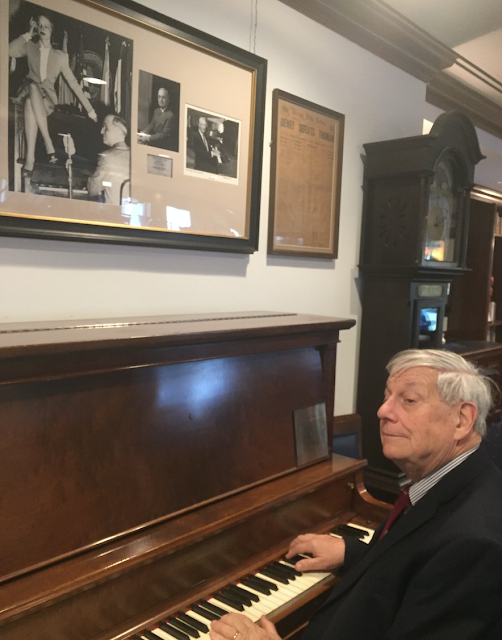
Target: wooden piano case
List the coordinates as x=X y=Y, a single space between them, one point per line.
x=148 y=462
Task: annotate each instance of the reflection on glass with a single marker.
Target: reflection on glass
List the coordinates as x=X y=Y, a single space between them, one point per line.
x=428 y=327
x=177 y=219
x=441 y=216
x=136 y=214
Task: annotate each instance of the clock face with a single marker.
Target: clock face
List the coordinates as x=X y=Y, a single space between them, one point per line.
x=441 y=216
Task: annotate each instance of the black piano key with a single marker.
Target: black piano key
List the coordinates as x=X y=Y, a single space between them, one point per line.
x=264 y=583
x=232 y=597
x=239 y=597
x=167 y=628
x=283 y=570
x=247 y=594
x=205 y=613
x=196 y=624
x=150 y=635
x=274 y=575
x=292 y=561
x=212 y=607
x=292 y=570
x=226 y=599
x=190 y=631
x=346 y=530
x=257 y=587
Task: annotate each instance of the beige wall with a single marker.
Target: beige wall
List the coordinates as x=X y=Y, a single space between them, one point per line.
x=62 y=280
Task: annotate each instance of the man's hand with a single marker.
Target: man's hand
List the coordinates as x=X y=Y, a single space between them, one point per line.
x=235 y=626
x=328 y=552
x=143 y=138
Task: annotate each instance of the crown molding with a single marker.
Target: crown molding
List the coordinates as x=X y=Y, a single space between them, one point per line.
x=448 y=93
x=380 y=29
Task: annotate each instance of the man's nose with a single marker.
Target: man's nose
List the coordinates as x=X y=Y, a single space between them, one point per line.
x=385 y=410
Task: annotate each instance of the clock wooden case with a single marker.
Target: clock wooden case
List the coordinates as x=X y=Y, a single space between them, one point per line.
x=414 y=240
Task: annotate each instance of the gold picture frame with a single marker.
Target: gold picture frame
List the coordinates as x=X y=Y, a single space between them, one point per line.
x=305 y=178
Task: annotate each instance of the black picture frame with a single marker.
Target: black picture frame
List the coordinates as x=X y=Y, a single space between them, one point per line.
x=146 y=21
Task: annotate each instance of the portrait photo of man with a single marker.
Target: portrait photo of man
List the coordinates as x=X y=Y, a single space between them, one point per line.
x=212 y=145
x=158 y=112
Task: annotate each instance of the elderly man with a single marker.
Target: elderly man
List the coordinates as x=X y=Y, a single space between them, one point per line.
x=206 y=157
x=114 y=165
x=436 y=571
x=159 y=132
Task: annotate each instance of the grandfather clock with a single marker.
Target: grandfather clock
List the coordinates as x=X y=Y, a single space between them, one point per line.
x=414 y=240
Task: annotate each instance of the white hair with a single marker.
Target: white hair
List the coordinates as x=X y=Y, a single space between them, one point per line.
x=458 y=379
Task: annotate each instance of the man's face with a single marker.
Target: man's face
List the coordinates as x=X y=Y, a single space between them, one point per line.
x=163 y=98
x=202 y=124
x=111 y=132
x=417 y=429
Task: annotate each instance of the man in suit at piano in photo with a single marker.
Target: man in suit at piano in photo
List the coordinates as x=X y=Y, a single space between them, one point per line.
x=436 y=571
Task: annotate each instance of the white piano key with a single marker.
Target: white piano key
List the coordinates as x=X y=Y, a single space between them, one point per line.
x=369 y=532
x=302 y=580
x=198 y=617
x=279 y=594
x=287 y=589
x=267 y=603
x=163 y=635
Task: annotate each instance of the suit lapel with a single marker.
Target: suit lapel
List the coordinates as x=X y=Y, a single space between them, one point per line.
x=446 y=489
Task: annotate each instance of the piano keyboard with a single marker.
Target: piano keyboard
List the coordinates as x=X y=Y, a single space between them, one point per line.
x=260 y=593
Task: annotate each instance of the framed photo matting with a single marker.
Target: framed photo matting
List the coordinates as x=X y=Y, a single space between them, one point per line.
x=120 y=125
x=305 y=178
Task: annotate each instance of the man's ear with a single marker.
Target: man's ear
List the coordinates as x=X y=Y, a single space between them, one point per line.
x=468 y=412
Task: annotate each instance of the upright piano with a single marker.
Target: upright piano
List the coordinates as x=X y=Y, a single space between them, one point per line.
x=149 y=463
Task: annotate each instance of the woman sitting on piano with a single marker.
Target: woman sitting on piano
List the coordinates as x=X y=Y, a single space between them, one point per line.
x=45 y=65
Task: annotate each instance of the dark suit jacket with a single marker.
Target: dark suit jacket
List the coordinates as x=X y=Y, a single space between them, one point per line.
x=204 y=161
x=436 y=575
x=161 y=129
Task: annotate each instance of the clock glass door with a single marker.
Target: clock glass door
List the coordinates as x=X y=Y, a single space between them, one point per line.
x=441 y=216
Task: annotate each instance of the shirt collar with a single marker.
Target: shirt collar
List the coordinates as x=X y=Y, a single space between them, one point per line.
x=420 y=488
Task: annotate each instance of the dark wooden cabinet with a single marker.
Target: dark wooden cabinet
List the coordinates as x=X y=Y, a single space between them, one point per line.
x=470 y=297
x=475 y=303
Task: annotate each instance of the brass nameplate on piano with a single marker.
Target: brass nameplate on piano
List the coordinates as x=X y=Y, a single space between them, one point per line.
x=311 y=434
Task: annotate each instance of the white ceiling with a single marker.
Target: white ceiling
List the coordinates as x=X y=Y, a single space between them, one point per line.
x=473 y=28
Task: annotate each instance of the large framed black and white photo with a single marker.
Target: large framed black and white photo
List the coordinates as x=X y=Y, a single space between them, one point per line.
x=121 y=125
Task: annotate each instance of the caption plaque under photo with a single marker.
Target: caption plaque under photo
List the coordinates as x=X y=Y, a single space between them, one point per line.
x=311 y=434
x=159 y=166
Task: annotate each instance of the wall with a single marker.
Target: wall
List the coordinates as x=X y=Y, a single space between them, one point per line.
x=61 y=280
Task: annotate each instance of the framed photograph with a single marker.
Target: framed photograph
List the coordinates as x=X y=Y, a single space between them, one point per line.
x=305 y=178
x=141 y=130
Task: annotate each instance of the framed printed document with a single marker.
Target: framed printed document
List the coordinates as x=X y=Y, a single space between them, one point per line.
x=121 y=125
x=305 y=177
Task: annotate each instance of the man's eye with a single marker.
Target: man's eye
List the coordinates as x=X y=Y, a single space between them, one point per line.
x=409 y=400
